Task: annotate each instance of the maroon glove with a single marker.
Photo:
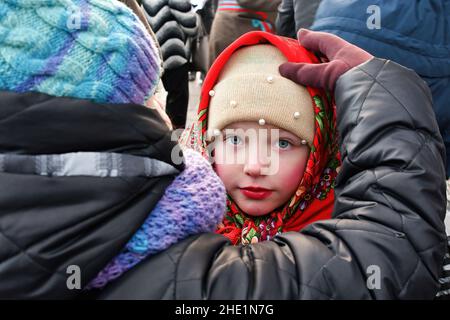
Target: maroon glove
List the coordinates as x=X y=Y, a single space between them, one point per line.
x=342 y=56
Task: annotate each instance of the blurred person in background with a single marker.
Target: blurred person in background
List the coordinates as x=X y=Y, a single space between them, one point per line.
x=295 y=14
x=235 y=17
x=174 y=23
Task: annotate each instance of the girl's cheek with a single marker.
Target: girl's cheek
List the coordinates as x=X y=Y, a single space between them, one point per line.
x=292 y=180
x=227 y=174
x=220 y=170
x=223 y=169
x=292 y=170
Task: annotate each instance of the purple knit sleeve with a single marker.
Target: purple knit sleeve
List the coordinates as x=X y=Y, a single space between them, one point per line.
x=194 y=203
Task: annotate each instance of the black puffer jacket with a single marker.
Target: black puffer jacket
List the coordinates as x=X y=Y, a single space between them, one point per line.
x=50 y=220
x=387 y=222
x=173 y=22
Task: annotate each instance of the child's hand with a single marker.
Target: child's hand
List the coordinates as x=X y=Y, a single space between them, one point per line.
x=342 y=56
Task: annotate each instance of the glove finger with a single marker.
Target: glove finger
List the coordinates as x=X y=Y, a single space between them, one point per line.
x=325 y=43
x=306 y=74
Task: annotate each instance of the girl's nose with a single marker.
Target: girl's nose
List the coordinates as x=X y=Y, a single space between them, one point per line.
x=252 y=169
x=255 y=166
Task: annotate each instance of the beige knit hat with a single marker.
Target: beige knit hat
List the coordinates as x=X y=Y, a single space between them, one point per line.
x=250 y=88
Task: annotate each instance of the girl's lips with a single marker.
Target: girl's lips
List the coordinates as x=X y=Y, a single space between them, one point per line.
x=256 y=193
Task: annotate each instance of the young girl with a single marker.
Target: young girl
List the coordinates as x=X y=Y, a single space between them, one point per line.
x=273 y=142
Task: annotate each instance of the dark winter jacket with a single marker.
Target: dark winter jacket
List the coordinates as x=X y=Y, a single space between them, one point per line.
x=295 y=14
x=386 y=239
x=55 y=214
x=173 y=22
x=73 y=203
x=415 y=34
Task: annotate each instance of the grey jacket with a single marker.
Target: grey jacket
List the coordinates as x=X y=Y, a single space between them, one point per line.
x=295 y=14
x=386 y=238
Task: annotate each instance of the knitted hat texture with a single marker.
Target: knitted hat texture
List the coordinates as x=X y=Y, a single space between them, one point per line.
x=88 y=49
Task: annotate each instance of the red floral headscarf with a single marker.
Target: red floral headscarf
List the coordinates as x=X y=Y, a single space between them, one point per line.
x=314 y=197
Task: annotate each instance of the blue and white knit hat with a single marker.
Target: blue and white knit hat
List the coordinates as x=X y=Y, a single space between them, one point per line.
x=87 y=49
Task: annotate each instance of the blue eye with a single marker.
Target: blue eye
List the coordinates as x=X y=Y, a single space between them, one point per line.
x=283 y=144
x=234 y=140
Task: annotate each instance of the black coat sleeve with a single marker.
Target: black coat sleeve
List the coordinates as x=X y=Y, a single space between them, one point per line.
x=386 y=239
x=285 y=23
x=389 y=207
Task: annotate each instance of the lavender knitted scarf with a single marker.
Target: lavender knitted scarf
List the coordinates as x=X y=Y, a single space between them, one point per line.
x=194 y=203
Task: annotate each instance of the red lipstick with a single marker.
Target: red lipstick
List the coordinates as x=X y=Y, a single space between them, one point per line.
x=256 y=193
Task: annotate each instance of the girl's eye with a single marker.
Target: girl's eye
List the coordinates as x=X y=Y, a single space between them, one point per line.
x=283 y=144
x=234 y=140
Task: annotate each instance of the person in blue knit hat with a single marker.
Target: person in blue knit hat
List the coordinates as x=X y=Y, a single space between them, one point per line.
x=92 y=176
x=71 y=48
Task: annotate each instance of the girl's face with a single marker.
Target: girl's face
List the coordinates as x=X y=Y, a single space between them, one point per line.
x=260 y=165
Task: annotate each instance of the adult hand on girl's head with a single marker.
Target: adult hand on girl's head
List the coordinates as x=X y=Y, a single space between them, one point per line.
x=342 y=56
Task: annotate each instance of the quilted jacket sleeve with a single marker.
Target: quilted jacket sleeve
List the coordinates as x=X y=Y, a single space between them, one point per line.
x=387 y=236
